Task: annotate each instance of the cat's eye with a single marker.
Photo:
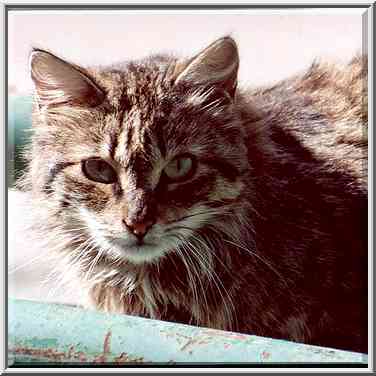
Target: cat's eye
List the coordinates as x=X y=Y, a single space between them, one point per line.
x=180 y=168
x=98 y=170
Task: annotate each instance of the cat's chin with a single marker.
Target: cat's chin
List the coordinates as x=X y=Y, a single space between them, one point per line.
x=138 y=254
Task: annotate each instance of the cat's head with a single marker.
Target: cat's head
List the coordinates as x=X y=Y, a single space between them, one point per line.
x=140 y=157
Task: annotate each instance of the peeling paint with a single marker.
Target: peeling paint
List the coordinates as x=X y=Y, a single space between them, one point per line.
x=62 y=334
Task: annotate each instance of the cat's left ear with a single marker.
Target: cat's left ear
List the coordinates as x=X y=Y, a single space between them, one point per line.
x=217 y=65
x=58 y=82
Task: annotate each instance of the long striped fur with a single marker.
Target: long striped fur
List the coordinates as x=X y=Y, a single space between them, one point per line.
x=269 y=235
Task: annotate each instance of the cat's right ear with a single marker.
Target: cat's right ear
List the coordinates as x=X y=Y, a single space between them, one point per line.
x=58 y=82
x=217 y=65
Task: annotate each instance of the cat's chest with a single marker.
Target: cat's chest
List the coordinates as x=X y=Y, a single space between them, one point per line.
x=142 y=295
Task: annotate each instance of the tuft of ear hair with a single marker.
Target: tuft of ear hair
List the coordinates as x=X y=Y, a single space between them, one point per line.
x=217 y=65
x=58 y=82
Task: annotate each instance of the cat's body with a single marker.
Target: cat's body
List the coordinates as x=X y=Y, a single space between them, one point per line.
x=260 y=220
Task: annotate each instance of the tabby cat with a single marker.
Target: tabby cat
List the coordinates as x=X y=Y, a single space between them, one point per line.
x=169 y=192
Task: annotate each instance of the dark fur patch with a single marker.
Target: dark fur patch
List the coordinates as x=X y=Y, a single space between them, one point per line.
x=141 y=206
x=224 y=167
x=117 y=190
x=189 y=193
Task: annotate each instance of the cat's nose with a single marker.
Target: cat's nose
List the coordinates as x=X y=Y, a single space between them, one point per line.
x=138 y=229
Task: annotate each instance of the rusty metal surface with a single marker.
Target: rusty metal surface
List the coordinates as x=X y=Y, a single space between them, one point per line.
x=54 y=333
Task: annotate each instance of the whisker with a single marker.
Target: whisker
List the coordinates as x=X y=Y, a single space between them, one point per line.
x=259 y=258
x=34 y=259
x=219 y=285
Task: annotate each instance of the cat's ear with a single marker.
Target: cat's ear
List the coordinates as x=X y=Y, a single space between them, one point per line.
x=216 y=65
x=59 y=82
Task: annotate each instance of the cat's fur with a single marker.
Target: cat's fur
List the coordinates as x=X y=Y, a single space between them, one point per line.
x=268 y=237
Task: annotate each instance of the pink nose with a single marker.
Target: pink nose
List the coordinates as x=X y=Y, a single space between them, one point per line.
x=138 y=228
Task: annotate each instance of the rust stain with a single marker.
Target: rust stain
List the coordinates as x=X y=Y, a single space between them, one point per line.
x=99 y=359
x=71 y=354
x=265 y=355
x=50 y=353
x=194 y=341
x=122 y=358
x=125 y=358
x=102 y=358
x=199 y=340
x=80 y=356
x=107 y=343
x=215 y=333
x=169 y=334
x=47 y=353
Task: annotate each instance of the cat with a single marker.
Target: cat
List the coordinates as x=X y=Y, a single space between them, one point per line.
x=169 y=192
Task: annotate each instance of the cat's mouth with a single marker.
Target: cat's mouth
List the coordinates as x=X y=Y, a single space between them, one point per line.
x=133 y=244
x=138 y=251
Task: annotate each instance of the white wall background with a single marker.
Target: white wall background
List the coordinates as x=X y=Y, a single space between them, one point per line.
x=273 y=44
